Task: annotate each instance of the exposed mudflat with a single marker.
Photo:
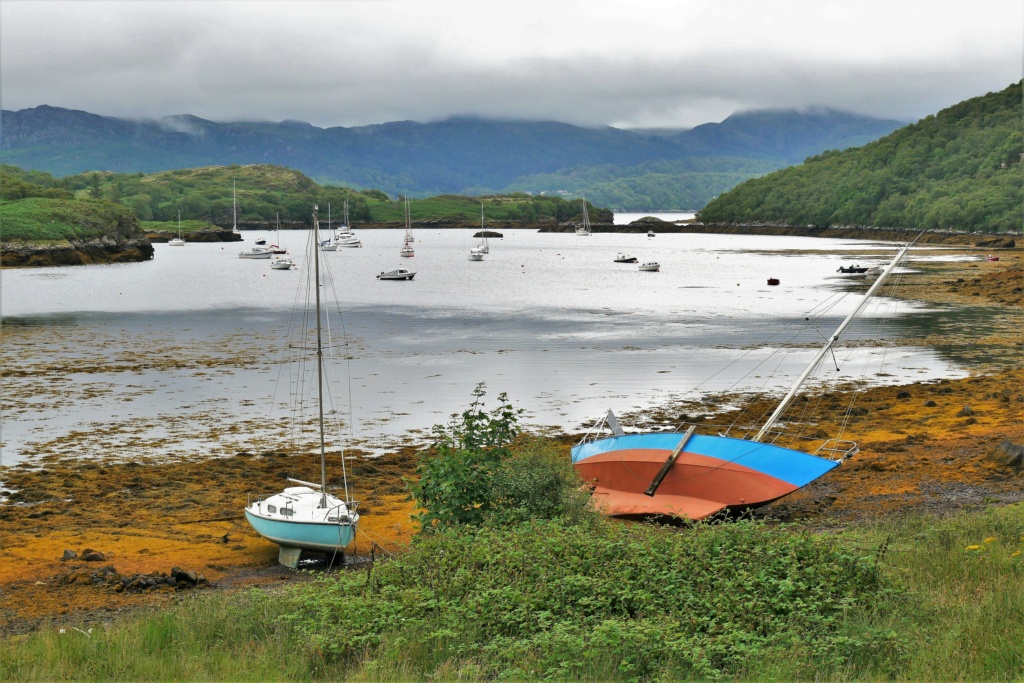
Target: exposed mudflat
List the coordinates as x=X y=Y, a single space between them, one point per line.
x=932 y=446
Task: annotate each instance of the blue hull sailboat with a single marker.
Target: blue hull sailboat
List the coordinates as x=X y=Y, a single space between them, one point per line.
x=694 y=476
x=306 y=517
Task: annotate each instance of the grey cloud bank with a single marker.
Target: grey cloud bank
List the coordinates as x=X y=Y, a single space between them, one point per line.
x=628 y=64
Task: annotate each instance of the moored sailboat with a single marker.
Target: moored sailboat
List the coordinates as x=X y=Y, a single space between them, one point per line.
x=306 y=517
x=407 y=250
x=483 y=247
x=694 y=476
x=178 y=241
x=584 y=230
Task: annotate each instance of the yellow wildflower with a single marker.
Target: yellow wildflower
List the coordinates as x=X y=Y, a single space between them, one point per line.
x=1015 y=553
x=973 y=547
x=990 y=539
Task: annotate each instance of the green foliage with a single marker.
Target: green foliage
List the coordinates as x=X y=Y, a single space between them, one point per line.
x=664 y=185
x=16 y=183
x=538 y=481
x=456 y=475
x=610 y=602
x=39 y=218
x=264 y=192
x=958 y=170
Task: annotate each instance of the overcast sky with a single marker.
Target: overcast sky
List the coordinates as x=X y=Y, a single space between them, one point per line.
x=625 y=63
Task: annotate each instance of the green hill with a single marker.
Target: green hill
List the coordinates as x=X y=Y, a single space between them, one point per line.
x=959 y=169
x=53 y=220
x=264 y=192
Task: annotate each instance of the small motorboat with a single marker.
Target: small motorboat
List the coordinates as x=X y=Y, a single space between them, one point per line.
x=650 y=267
x=773 y=281
x=282 y=263
x=256 y=252
x=650 y=233
x=349 y=241
x=991 y=258
x=476 y=254
x=623 y=258
x=852 y=269
x=399 y=274
x=261 y=242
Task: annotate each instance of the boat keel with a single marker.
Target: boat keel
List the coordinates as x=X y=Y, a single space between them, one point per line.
x=289 y=557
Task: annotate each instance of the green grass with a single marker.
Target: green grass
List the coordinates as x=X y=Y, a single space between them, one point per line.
x=906 y=599
x=39 y=218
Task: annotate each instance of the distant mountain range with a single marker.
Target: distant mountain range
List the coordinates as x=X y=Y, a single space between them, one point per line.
x=623 y=169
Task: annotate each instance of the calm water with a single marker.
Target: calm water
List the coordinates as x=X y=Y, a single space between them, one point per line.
x=183 y=354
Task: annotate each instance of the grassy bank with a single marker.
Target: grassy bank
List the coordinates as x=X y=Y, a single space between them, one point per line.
x=905 y=599
x=48 y=219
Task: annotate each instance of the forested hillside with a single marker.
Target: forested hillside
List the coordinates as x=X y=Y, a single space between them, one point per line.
x=959 y=169
x=264 y=193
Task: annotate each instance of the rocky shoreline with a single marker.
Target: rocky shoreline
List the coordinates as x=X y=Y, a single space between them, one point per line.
x=205 y=235
x=106 y=249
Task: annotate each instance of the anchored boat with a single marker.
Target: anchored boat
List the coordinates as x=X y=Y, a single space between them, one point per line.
x=694 y=476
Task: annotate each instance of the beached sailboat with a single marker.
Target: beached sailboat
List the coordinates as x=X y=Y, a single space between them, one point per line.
x=584 y=230
x=306 y=517
x=694 y=476
x=407 y=251
x=178 y=241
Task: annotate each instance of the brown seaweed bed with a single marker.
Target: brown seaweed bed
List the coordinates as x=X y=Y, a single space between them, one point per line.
x=939 y=447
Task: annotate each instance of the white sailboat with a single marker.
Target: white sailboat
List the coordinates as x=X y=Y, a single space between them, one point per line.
x=584 y=230
x=277 y=248
x=328 y=244
x=345 y=237
x=483 y=247
x=234 y=211
x=178 y=241
x=406 y=251
x=305 y=517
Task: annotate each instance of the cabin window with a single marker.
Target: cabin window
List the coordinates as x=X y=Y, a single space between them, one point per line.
x=271 y=509
x=287 y=512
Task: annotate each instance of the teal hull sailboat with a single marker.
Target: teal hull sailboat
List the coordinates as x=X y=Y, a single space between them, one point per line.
x=306 y=517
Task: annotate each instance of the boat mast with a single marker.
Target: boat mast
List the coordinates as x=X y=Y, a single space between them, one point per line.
x=828 y=345
x=319 y=358
x=234 y=209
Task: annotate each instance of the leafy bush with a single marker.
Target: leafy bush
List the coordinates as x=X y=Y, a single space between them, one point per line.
x=538 y=481
x=543 y=600
x=456 y=473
